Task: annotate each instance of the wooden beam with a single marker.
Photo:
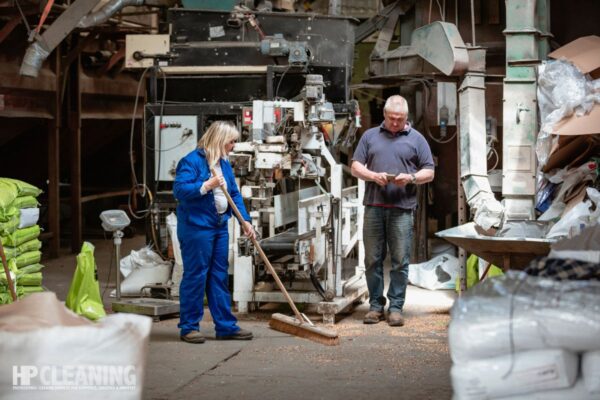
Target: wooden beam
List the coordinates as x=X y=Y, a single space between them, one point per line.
x=9 y=27
x=54 y=167
x=493 y=12
x=75 y=138
x=21 y=104
x=105 y=195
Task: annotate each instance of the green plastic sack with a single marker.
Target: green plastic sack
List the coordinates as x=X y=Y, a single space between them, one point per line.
x=84 y=293
x=31 y=245
x=21 y=236
x=34 y=279
x=3 y=281
x=8 y=194
x=25 y=202
x=26 y=290
x=6 y=214
x=6 y=298
x=23 y=188
x=29 y=269
x=473 y=272
x=9 y=226
x=31 y=257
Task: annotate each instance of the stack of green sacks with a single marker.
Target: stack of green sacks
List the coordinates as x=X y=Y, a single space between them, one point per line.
x=19 y=232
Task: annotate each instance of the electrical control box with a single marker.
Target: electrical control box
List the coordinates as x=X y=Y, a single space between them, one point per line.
x=144 y=44
x=175 y=136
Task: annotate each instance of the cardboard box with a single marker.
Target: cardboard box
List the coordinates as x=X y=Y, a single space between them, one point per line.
x=584 y=53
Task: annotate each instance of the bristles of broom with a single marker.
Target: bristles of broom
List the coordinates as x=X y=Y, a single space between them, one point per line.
x=283 y=323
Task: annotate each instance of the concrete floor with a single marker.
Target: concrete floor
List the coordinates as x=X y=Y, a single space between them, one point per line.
x=372 y=361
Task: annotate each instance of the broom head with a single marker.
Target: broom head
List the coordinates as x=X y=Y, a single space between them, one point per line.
x=290 y=325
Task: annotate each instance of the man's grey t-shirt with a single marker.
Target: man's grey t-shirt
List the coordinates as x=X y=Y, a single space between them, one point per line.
x=405 y=152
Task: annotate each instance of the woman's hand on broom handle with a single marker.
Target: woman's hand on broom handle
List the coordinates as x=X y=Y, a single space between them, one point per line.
x=248 y=230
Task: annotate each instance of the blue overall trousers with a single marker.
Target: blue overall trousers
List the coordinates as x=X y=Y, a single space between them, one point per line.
x=204 y=239
x=205 y=252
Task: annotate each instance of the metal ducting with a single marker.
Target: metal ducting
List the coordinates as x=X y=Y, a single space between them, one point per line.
x=39 y=50
x=76 y=16
x=110 y=9
x=473 y=157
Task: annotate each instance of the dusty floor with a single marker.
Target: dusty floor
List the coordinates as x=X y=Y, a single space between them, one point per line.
x=372 y=361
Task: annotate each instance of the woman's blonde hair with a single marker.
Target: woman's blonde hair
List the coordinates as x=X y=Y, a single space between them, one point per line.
x=218 y=134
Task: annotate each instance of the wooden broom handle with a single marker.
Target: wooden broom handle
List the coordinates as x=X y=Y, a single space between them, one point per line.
x=7 y=272
x=262 y=253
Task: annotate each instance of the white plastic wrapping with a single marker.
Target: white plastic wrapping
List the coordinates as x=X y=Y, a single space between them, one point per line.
x=438 y=273
x=172 y=227
x=146 y=268
x=569 y=179
x=575 y=392
x=579 y=217
x=516 y=374
x=590 y=370
x=177 y=274
x=535 y=313
x=176 y=278
x=39 y=335
x=562 y=91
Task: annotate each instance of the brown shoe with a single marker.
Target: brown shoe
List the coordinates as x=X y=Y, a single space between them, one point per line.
x=395 y=318
x=373 y=317
x=242 y=334
x=193 y=337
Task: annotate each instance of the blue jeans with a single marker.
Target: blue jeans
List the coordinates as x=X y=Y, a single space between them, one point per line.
x=385 y=228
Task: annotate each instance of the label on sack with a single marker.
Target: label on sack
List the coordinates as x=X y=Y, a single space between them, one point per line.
x=74 y=377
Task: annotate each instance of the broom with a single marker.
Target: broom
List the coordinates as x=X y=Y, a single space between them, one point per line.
x=300 y=326
x=7 y=272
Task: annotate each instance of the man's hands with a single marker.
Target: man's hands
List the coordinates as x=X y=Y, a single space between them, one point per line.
x=214 y=182
x=403 y=180
x=381 y=178
x=248 y=230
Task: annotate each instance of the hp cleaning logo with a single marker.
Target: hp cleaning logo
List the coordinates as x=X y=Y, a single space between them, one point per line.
x=74 y=377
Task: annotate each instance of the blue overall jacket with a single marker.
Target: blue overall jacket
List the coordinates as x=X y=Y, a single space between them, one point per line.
x=195 y=208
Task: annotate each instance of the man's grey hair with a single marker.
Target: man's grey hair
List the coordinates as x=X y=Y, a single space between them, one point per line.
x=396 y=103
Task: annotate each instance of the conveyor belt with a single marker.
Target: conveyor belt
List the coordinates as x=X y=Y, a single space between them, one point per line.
x=284 y=242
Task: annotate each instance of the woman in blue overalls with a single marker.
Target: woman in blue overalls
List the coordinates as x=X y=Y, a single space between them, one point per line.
x=202 y=215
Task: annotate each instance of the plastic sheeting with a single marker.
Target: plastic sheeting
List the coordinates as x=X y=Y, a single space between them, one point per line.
x=515 y=374
x=517 y=313
x=590 y=369
x=575 y=392
x=141 y=268
x=562 y=91
x=438 y=273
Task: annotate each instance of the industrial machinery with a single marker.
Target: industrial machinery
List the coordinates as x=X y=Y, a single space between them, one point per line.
x=284 y=81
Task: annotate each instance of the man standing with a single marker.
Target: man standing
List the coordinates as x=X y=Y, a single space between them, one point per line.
x=393 y=159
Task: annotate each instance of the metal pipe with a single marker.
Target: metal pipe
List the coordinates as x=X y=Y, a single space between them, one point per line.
x=335 y=7
x=473 y=161
x=110 y=9
x=75 y=16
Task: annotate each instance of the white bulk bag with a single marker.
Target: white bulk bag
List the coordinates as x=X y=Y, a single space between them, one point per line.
x=64 y=356
x=514 y=374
